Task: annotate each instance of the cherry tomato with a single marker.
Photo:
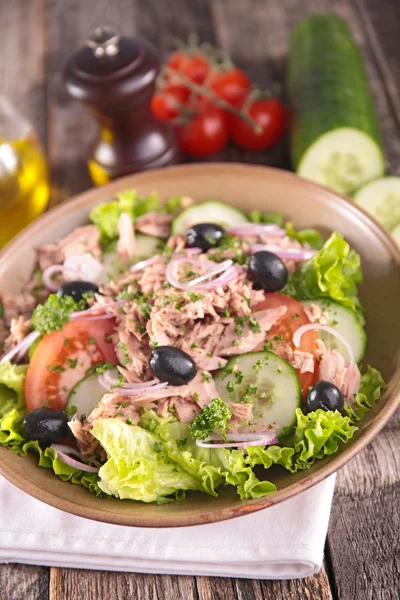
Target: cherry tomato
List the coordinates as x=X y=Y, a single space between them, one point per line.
x=62 y=358
x=193 y=66
x=206 y=134
x=270 y=115
x=294 y=318
x=231 y=86
x=165 y=104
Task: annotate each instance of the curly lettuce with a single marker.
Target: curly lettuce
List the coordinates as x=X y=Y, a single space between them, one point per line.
x=333 y=272
x=12 y=410
x=370 y=390
x=106 y=214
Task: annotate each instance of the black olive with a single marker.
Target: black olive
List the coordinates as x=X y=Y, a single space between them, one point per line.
x=204 y=236
x=46 y=425
x=268 y=271
x=170 y=364
x=76 y=289
x=326 y=396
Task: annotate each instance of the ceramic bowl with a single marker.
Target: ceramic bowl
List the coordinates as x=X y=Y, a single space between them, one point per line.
x=246 y=187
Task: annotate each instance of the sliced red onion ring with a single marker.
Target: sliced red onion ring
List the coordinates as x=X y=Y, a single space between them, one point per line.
x=76 y=464
x=239 y=440
x=47 y=277
x=21 y=347
x=192 y=251
x=299 y=254
x=144 y=391
x=257 y=229
x=331 y=330
x=229 y=272
x=97 y=312
x=144 y=263
x=107 y=381
x=66 y=449
x=82 y=267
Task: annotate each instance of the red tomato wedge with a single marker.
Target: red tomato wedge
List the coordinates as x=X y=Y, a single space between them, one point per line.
x=294 y=318
x=62 y=358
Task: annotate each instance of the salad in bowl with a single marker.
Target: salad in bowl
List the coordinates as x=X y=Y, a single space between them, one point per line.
x=169 y=349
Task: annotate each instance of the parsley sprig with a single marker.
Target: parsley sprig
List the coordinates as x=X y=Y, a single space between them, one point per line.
x=55 y=313
x=213 y=418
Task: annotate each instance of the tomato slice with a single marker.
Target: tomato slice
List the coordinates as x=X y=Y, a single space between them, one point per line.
x=294 y=318
x=62 y=358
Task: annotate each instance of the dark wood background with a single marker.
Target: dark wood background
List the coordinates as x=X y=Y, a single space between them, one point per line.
x=362 y=558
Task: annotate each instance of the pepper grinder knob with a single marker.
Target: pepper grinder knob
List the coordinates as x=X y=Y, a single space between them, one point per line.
x=114 y=77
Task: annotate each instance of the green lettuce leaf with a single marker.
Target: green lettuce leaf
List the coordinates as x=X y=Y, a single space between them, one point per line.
x=316 y=435
x=309 y=236
x=12 y=380
x=12 y=410
x=371 y=385
x=105 y=215
x=332 y=273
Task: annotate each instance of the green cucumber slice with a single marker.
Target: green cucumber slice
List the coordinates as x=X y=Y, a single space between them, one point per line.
x=85 y=395
x=347 y=323
x=396 y=234
x=146 y=246
x=334 y=133
x=381 y=198
x=207 y=212
x=278 y=389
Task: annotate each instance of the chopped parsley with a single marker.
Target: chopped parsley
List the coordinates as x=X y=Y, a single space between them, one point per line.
x=124 y=349
x=158 y=446
x=129 y=421
x=56 y=368
x=254 y=325
x=92 y=340
x=152 y=426
x=206 y=377
x=212 y=418
x=230 y=387
x=72 y=362
x=55 y=313
x=193 y=297
x=194 y=345
x=181 y=443
x=108 y=338
x=66 y=342
x=248 y=396
x=99 y=369
x=259 y=364
x=153 y=344
x=238 y=375
x=71 y=410
x=196 y=396
x=1 y=311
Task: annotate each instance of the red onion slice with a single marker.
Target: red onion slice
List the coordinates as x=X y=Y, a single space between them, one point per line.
x=107 y=381
x=193 y=251
x=76 y=464
x=139 y=266
x=82 y=267
x=239 y=440
x=257 y=229
x=299 y=254
x=47 y=277
x=97 y=312
x=331 y=330
x=66 y=449
x=22 y=346
x=229 y=272
x=144 y=391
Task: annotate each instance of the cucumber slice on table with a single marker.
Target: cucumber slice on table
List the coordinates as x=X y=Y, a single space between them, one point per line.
x=86 y=394
x=145 y=247
x=347 y=323
x=278 y=389
x=207 y=212
x=334 y=134
x=381 y=198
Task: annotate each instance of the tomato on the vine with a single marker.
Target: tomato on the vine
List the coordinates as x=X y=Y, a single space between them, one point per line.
x=166 y=104
x=193 y=66
x=231 y=86
x=205 y=134
x=269 y=115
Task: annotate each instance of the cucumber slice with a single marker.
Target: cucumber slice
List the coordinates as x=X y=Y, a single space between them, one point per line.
x=334 y=135
x=342 y=159
x=396 y=234
x=381 y=198
x=347 y=323
x=85 y=395
x=278 y=389
x=146 y=246
x=207 y=212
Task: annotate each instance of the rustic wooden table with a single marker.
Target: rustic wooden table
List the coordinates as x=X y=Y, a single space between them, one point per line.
x=362 y=559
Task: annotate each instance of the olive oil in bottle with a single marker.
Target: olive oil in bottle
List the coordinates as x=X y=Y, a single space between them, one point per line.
x=24 y=185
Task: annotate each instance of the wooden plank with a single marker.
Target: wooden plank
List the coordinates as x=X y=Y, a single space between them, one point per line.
x=77 y=584
x=22 y=64
x=24 y=582
x=381 y=23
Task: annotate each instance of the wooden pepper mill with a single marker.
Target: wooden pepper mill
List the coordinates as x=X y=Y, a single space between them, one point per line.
x=114 y=77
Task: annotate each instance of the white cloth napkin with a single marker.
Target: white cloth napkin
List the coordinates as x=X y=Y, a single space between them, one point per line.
x=281 y=542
